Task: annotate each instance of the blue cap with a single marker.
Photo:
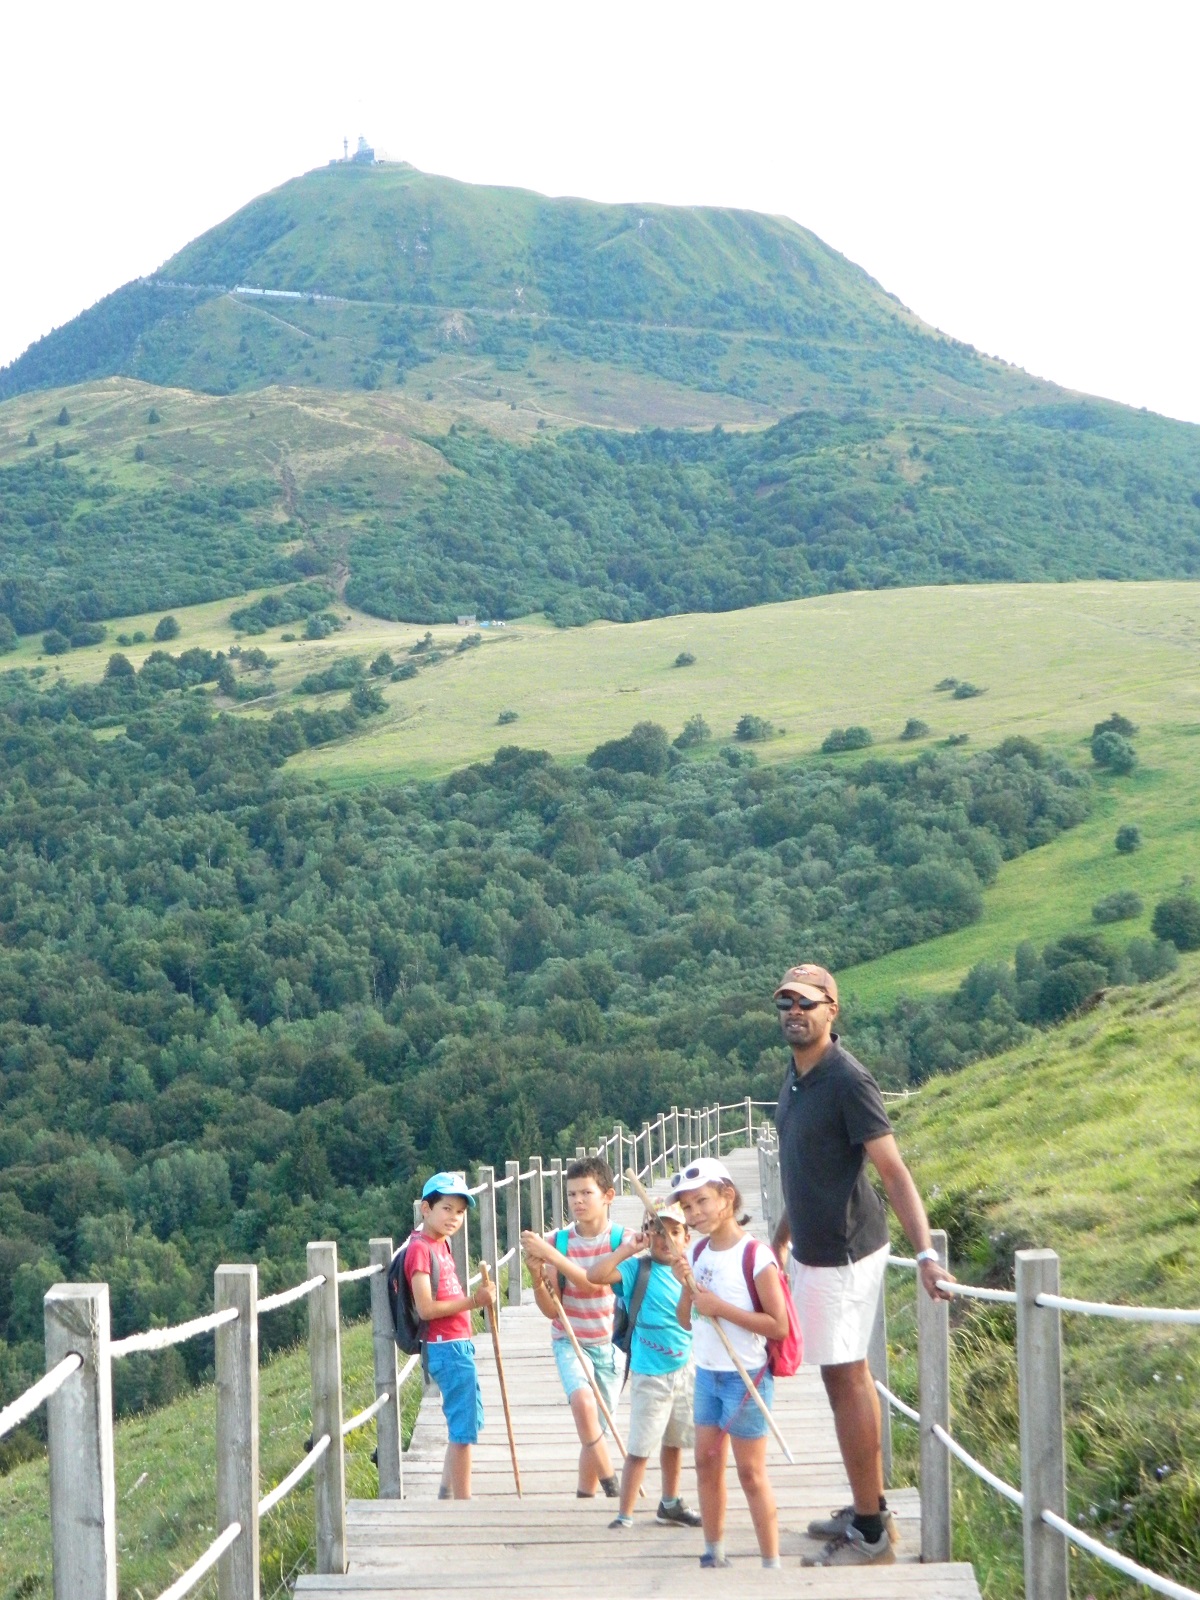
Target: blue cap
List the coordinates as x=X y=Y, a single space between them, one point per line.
x=447 y=1183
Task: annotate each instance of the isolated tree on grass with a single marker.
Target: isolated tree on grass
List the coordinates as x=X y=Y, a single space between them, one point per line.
x=1177 y=918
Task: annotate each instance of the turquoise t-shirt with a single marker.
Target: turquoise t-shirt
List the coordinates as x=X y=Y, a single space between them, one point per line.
x=659 y=1343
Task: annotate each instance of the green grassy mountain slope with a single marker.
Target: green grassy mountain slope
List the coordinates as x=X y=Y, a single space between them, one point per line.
x=401 y=264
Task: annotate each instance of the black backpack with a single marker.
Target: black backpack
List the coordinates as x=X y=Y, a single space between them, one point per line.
x=625 y=1317
x=410 y=1331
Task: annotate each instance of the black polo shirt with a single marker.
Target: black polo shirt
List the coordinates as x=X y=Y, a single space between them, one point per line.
x=824 y=1118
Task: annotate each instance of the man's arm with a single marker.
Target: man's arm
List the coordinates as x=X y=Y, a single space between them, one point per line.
x=884 y=1155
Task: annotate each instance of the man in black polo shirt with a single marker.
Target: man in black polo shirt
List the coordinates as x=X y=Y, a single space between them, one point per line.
x=832 y=1122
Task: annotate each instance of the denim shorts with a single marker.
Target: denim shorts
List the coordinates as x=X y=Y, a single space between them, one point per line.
x=722 y=1402
x=604 y=1367
x=452 y=1368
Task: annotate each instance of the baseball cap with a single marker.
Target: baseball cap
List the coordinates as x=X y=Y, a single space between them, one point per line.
x=706 y=1170
x=809 y=982
x=447 y=1183
x=670 y=1212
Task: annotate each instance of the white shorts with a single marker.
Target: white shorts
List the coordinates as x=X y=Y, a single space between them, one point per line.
x=837 y=1306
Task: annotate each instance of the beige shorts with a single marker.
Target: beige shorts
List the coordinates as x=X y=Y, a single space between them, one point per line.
x=837 y=1306
x=660 y=1410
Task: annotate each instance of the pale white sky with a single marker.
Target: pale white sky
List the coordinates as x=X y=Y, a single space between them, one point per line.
x=1021 y=175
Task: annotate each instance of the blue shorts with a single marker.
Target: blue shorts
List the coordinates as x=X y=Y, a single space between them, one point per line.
x=604 y=1367
x=722 y=1402
x=452 y=1368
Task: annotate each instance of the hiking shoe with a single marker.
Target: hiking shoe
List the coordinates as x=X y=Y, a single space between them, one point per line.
x=709 y=1560
x=621 y=1522
x=680 y=1515
x=836 y=1523
x=850 y=1549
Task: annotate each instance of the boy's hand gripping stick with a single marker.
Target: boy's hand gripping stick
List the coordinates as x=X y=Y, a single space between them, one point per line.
x=493 y=1318
x=690 y=1282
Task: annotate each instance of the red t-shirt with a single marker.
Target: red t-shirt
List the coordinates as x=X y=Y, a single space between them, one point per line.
x=416 y=1259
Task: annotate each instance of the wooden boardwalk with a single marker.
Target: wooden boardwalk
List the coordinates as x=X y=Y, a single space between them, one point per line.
x=550 y=1542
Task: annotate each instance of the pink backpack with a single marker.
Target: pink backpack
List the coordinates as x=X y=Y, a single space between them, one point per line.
x=785 y=1355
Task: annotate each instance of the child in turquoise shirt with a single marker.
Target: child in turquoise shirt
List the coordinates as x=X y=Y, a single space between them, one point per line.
x=660 y=1365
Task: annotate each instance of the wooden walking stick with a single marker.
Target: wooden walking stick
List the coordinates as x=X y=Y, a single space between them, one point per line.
x=586 y=1365
x=493 y=1317
x=690 y=1283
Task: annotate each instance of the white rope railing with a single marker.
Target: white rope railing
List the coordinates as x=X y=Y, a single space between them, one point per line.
x=525 y=1176
x=406 y=1371
x=506 y=1257
x=19 y=1410
x=189 y=1579
x=1098 y=1308
x=502 y=1183
x=285 y=1297
x=356 y=1273
x=897 y=1404
x=281 y=1490
x=478 y=1189
x=970 y=1291
x=361 y=1418
x=472 y=1281
x=902 y=1261
x=163 y=1338
x=1131 y=1569
x=978 y=1468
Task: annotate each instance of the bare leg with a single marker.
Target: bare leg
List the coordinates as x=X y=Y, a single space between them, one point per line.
x=671 y=1463
x=631 y=1481
x=712 y=1448
x=855 y=1405
x=594 y=1460
x=751 y=1458
x=456 y=1471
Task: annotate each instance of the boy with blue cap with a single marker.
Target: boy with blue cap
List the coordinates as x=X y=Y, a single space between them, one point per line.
x=446 y=1322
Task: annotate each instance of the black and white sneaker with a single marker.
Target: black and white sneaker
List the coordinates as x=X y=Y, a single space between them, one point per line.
x=836 y=1523
x=679 y=1515
x=850 y=1549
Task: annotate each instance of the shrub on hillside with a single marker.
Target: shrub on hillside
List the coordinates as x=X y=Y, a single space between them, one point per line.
x=1151 y=958
x=63 y=417
x=119 y=666
x=321 y=625
x=406 y=669
x=1128 y=839
x=8 y=634
x=967 y=691
x=382 y=665
x=914 y=728
x=1116 y=723
x=851 y=738
x=644 y=749
x=85 y=633
x=166 y=628
x=685 y=658
x=1118 y=906
x=342 y=674
x=694 y=731
x=750 y=728
x=505 y=718
x=1177 y=918
x=1113 y=752
x=55 y=643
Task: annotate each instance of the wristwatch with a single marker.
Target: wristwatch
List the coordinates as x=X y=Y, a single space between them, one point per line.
x=926 y=1255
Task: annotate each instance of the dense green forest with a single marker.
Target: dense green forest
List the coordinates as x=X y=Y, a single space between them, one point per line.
x=237 y=1012
x=74 y=545
x=628 y=526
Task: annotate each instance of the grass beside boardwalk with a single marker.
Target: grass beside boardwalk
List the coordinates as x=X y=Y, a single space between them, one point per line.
x=1086 y=1140
x=166 y=1483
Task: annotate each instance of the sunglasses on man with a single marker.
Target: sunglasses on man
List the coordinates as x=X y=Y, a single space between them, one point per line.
x=795 y=1002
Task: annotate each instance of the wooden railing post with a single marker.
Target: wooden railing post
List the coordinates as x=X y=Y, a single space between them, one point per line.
x=1043 y=1464
x=673 y=1152
x=877 y=1361
x=749 y=1121
x=537 y=1196
x=663 y=1159
x=83 y=1513
x=647 y=1139
x=717 y=1130
x=933 y=1369
x=489 y=1248
x=383 y=1341
x=460 y=1246
x=325 y=1364
x=237 y=1429
x=618 y=1164
x=512 y=1229
x=580 y=1152
x=556 y=1192
x=689 y=1137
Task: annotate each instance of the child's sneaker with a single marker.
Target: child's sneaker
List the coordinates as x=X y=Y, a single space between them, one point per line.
x=677 y=1515
x=621 y=1522
x=850 y=1549
x=836 y=1523
x=710 y=1560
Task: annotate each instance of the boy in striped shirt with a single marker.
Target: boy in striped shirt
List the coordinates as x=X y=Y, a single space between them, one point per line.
x=587 y=1306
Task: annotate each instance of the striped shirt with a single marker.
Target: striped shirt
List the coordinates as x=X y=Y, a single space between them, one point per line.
x=589 y=1309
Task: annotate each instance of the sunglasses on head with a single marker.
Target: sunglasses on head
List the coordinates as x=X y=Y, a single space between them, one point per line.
x=795 y=1002
x=678 y=1177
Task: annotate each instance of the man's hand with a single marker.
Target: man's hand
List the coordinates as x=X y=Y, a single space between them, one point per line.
x=931 y=1273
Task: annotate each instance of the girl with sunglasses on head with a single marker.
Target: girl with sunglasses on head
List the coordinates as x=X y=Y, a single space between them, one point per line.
x=725 y=1260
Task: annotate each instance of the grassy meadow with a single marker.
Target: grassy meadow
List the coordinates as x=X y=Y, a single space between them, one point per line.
x=1084 y=1140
